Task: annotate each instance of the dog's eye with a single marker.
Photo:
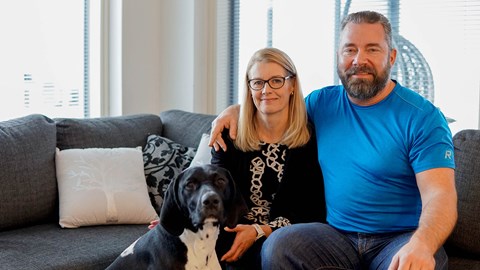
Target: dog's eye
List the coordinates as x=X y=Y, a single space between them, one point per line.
x=190 y=185
x=221 y=182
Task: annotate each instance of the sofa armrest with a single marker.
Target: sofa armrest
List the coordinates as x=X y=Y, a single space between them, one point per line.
x=465 y=238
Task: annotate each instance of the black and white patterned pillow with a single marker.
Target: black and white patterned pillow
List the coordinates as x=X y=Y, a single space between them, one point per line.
x=163 y=161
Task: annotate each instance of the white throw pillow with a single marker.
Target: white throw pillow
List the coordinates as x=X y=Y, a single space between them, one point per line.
x=99 y=186
x=204 y=152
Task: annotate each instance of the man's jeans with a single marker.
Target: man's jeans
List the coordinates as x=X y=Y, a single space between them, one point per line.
x=320 y=246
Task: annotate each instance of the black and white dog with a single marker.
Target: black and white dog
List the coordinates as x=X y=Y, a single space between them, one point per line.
x=197 y=203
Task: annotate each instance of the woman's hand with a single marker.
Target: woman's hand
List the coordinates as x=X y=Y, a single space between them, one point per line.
x=244 y=239
x=153 y=223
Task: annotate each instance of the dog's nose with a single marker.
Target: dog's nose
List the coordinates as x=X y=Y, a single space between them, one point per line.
x=210 y=199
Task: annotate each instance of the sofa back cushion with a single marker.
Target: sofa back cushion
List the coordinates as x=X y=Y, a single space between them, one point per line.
x=465 y=238
x=107 y=132
x=185 y=128
x=28 y=187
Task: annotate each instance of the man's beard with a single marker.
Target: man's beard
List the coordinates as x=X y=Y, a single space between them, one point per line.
x=364 y=89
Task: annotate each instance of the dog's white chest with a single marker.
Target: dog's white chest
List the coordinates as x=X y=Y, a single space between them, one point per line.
x=201 y=253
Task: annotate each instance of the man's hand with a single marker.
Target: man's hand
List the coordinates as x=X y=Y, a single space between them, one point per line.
x=414 y=255
x=439 y=214
x=228 y=118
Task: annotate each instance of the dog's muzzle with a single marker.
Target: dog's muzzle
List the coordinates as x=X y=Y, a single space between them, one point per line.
x=209 y=206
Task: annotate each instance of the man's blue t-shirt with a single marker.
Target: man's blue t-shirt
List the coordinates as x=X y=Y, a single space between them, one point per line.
x=370 y=154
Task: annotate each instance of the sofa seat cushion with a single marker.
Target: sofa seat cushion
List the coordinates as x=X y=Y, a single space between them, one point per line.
x=50 y=247
x=465 y=238
x=28 y=192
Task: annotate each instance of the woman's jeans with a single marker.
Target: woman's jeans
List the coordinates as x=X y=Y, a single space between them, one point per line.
x=320 y=246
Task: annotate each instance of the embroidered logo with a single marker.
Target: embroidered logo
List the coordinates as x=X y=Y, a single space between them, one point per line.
x=448 y=154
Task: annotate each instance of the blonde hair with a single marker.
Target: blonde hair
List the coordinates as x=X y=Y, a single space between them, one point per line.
x=297 y=133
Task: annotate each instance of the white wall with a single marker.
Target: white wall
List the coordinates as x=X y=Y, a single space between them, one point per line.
x=165 y=57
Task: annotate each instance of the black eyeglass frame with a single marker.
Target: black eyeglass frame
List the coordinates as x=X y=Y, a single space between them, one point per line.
x=268 y=82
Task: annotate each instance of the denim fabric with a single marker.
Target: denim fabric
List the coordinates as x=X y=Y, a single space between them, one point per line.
x=320 y=246
x=250 y=260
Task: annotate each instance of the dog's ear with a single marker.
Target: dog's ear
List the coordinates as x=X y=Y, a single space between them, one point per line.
x=236 y=206
x=172 y=216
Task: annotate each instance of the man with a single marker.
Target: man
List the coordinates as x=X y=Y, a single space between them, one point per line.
x=387 y=158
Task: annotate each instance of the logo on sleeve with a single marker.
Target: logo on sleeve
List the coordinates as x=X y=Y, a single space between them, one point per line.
x=448 y=154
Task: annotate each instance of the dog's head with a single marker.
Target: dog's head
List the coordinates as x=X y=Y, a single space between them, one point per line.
x=200 y=193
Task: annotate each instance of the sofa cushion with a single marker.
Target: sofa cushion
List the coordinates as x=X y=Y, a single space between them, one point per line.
x=100 y=186
x=28 y=192
x=177 y=122
x=466 y=235
x=163 y=160
x=204 y=152
x=463 y=263
x=47 y=246
x=107 y=132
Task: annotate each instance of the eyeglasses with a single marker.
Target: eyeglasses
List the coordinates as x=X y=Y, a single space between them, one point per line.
x=275 y=82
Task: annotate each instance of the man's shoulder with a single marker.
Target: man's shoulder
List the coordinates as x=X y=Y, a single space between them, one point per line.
x=412 y=98
x=327 y=91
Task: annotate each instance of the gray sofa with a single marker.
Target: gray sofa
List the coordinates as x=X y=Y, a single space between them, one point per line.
x=30 y=237
x=463 y=246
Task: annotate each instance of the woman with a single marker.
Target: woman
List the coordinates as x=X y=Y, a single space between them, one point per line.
x=273 y=160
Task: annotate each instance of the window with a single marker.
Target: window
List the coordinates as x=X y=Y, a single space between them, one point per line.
x=447 y=38
x=50 y=53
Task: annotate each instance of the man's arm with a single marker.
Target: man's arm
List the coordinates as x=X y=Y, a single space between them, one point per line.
x=438 y=218
x=228 y=118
